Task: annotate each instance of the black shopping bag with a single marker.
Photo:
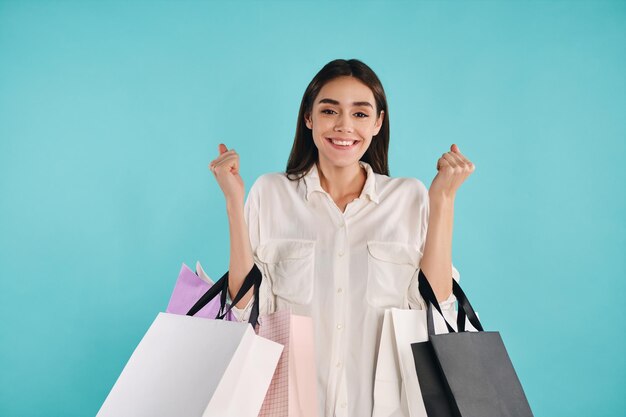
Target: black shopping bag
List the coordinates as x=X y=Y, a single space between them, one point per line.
x=466 y=374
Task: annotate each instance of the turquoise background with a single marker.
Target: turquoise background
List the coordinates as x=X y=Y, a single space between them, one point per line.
x=111 y=111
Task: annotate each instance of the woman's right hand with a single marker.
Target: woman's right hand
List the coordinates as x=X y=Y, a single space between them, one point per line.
x=226 y=170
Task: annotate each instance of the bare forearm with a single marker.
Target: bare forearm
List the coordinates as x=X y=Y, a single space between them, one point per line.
x=241 y=260
x=437 y=259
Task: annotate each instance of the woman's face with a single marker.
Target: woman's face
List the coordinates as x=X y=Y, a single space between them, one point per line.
x=343 y=121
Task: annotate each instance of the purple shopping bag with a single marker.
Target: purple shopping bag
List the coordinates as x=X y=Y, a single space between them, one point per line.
x=188 y=289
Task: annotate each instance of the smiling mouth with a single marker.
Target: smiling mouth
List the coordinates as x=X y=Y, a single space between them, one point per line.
x=342 y=144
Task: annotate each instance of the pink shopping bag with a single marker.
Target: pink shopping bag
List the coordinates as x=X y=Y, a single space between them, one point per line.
x=293 y=390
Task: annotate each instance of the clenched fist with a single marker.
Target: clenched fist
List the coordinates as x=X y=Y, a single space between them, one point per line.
x=226 y=170
x=453 y=168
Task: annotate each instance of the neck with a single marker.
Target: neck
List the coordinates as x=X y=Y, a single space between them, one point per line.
x=341 y=182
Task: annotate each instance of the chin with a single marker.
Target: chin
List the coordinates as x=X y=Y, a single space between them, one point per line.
x=342 y=163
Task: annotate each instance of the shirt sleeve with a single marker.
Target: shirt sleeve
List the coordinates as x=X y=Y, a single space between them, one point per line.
x=253 y=220
x=414 y=298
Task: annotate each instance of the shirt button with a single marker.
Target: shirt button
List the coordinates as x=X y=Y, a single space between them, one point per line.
x=338 y=364
x=340 y=253
x=339 y=326
x=339 y=290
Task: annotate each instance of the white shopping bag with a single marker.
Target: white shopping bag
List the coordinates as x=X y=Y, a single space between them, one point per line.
x=194 y=367
x=203 y=275
x=396 y=387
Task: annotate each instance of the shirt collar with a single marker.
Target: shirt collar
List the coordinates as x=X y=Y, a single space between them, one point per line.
x=312 y=181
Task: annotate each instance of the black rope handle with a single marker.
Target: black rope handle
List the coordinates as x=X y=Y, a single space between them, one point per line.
x=431 y=301
x=210 y=294
x=253 y=279
x=465 y=308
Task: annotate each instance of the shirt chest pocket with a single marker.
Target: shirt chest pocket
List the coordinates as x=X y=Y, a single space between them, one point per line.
x=290 y=266
x=390 y=267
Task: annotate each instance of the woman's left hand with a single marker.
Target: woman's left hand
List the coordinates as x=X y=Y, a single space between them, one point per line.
x=453 y=169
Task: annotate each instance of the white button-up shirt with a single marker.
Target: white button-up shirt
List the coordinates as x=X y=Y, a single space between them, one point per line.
x=343 y=269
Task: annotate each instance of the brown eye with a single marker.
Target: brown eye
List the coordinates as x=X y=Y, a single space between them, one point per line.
x=326 y=111
x=363 y=115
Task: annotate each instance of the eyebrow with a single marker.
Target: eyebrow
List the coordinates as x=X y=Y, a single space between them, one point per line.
x=335 y=102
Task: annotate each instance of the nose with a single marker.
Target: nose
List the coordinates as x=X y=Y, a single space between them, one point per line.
x=343 y=123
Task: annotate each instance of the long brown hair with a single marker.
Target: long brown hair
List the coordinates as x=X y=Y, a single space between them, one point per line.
x=304 y=152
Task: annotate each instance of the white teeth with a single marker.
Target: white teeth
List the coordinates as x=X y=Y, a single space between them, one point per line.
x=343 y=142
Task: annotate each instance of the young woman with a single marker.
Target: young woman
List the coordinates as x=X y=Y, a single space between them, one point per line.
x=335 y=237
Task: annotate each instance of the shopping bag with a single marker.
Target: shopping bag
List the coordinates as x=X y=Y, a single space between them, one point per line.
x=194 y=367
x=293 y=390
x=396 y=387
x=189 y=288
x=202 y=275
x=465 y=374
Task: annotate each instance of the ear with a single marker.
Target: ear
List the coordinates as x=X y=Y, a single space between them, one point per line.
x=379 y=122
x=307 y=121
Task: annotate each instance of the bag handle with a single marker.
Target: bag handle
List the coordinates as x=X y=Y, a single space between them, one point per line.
x=210 y=294
x=253 y=279
x=465 y=308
